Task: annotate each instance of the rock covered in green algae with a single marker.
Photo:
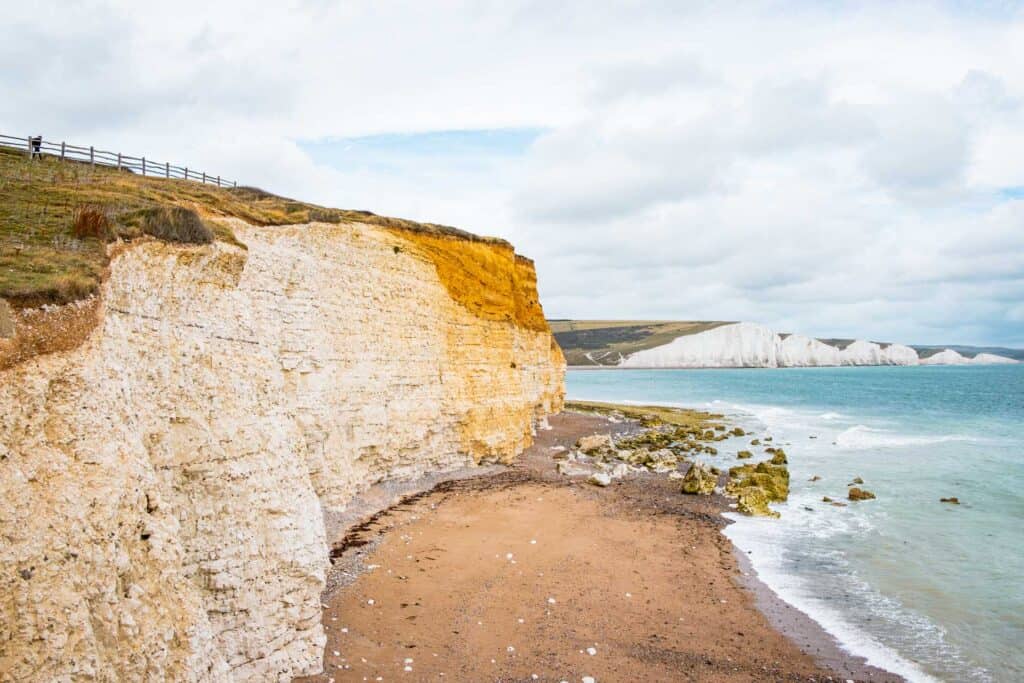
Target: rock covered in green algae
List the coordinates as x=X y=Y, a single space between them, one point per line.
x=856 y=493
x=753 y=501
x=743 y=455
x=772 y=479
x=699 y=480
x=954 y=500
x=856 y=480
x=779 y=457
x=755 y=442
x=736 y=431
x=595 y=443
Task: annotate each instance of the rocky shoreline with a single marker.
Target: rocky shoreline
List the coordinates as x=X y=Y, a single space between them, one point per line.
x=518 y=573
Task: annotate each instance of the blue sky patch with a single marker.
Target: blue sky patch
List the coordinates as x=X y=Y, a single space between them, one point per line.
x=387 y=151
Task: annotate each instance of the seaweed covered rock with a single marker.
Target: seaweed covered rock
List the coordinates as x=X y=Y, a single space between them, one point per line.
x=744 y=455
x=773 y=479
x=736 y=431
x=699 y=480
x=753 y=501
x=856 y=493
x=755 y=442
x=596 y=443
x=953 y=500
x=779 y=457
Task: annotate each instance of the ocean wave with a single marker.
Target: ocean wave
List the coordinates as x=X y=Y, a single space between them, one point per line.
x=830 y=416
x=861 y=437
x=765 y=545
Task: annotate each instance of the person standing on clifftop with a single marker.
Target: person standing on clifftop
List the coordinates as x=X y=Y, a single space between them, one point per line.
x=37 y=144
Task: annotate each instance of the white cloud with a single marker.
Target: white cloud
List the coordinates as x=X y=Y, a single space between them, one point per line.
x=830 y=168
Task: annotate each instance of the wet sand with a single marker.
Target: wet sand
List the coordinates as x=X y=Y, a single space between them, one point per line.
x=522 y=574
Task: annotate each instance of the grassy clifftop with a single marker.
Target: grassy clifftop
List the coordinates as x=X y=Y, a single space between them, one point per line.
x=606 y=342
x=57 y=220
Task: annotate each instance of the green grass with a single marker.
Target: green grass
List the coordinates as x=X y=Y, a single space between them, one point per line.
x=605 y=342
x=41 y=261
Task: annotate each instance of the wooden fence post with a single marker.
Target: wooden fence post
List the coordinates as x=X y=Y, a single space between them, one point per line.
x=167 y=169
x=92 y=156
x=62 y=150
x=204 y=177
x=118 y=161
x=29 y=148
x=186 y=173
x=218 y=181
x=143 y=166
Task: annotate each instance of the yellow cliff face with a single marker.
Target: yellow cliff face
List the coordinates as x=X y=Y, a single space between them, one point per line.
x=162 y=485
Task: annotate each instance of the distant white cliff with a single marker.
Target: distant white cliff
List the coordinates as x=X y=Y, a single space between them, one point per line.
x=750 y=345
x=992 y=359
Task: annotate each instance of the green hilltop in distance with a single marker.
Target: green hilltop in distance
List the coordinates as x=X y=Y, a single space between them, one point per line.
x=607 y=342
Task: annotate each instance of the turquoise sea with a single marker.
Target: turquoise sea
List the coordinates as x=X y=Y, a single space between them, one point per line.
x=928 y=590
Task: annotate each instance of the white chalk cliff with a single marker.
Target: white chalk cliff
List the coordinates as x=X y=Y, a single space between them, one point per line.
x=163 y=485
x=992 y=359
x=750 y=345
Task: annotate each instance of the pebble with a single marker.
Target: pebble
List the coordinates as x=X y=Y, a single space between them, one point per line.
x=551 y=601
x=370 y=601
x=591 y=651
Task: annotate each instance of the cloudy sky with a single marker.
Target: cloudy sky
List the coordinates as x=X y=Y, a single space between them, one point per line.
x=839 y=169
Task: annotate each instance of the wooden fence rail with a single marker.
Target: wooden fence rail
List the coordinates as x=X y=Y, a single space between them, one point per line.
x=34 y=146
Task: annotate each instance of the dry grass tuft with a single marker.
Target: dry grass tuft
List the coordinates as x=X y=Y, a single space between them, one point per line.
x=90 y=221
x=176 y=224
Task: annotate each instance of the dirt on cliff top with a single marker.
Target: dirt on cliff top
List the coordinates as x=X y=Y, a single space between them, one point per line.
x=528 y=575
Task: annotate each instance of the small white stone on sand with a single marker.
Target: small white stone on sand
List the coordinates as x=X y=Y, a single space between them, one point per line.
x=533 y=541
x=408 y=660
x=589 y=679
x=551 y=601
x=522 y=621
x=344 y=630
x=337 y=654
x=629 y=595
x=591 y=651
x=511 y=649
x=534 y=676
x=508 y=556
x=408 y=668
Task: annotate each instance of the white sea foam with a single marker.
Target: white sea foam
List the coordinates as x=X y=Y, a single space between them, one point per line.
x=862 y=437
x=762 y=539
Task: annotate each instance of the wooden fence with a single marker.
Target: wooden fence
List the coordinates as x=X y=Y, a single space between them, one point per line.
x=36 y=146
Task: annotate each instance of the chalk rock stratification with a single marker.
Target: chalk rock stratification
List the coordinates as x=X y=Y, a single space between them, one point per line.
x=162 y=486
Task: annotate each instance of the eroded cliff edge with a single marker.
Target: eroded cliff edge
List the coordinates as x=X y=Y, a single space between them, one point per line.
x=162 y=485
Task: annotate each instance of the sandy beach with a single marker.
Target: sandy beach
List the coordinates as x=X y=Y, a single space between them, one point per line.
x=519 y=574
